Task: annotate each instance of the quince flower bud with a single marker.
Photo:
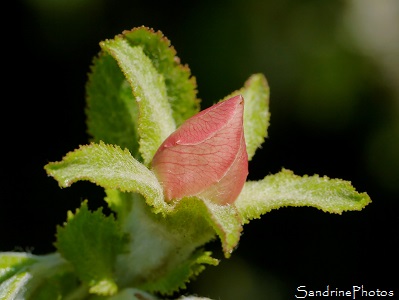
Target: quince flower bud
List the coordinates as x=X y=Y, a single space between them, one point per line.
x=206 y=156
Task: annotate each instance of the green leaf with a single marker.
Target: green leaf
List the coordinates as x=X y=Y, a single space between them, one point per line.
x=256 y=111
x=180 y=86
x=90 y=241
x=155 y=114
x=181 y=274
x=192 y=217
x=12 y=262
x=110 y=167
x=287 y=189
x=226 y=222
x=139 y=64
x=23 y=275
x=112 y=112
x=15 y=286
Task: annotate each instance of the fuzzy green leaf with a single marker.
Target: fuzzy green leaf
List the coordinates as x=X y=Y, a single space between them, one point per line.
x=177 y=278
x=155 y=114
x=110 y=167
x=195 y=215
x=119 y=78
x=192 y=217
x=90 y=241
x=112 y=112
x=256 y=111
x=180 y=85
x=287 y=189
x=227 y=224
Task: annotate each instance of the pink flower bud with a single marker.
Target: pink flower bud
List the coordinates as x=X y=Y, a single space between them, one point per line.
x=206 y=156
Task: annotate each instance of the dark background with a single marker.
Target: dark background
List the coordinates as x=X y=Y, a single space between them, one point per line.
x=332 y=67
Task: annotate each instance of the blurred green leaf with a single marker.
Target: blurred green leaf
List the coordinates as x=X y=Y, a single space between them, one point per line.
x=28 y=276
x=13 y=262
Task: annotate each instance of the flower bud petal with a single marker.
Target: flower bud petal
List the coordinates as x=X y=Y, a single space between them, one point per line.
x=206 y=156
